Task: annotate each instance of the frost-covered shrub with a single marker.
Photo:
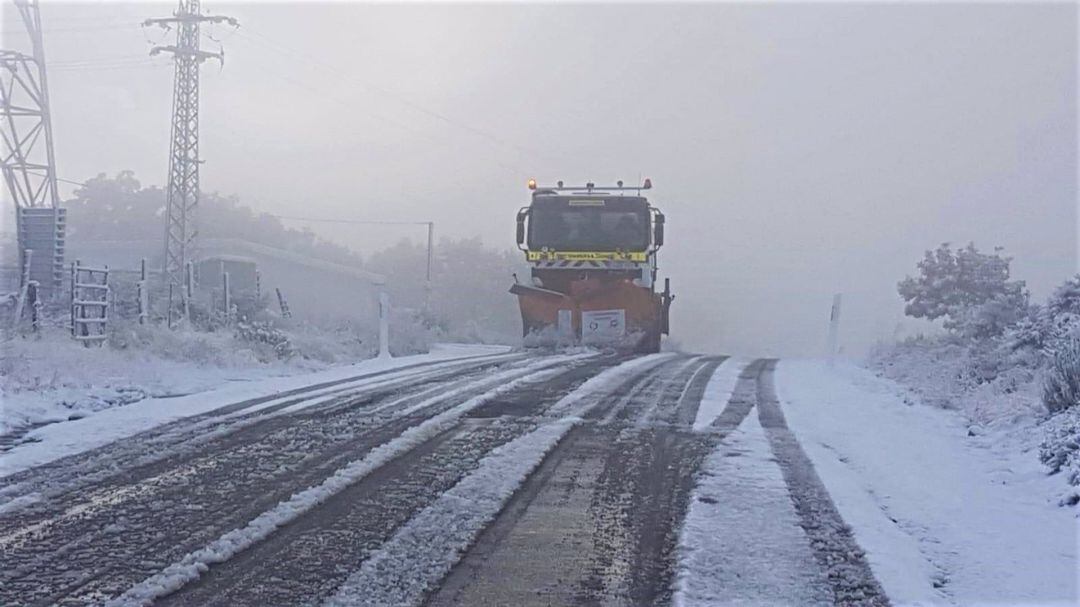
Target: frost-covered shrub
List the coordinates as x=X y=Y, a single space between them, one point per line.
x=410 y=332
x=1061 y=388
x=990 y=318
x=1060 y=319
x=1060 y=451
x=265 y=337
x=335 y=342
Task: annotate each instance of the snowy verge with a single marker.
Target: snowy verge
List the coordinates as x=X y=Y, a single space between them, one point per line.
x=741 y=543
x=944 y=517
x=53 y=441
x=191 y=566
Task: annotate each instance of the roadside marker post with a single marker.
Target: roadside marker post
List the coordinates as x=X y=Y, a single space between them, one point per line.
x=384 y=325
x=834 y=328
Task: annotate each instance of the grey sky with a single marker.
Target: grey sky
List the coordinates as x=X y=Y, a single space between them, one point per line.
x=797 y=149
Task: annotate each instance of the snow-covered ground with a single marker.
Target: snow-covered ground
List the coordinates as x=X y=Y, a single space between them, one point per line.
x=189 y=389
x=946 y=515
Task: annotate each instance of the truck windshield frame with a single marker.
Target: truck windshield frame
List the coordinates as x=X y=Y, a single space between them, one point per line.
x=575 y=224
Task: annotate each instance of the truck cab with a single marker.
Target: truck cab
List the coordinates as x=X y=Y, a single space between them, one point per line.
x=593 y=257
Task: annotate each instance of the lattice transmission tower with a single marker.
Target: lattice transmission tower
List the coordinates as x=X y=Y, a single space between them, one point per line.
x=28 y=161
x=182 y=198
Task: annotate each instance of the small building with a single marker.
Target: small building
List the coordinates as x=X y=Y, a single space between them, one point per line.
x=243 y=273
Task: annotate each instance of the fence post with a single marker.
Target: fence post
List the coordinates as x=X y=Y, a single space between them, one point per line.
x=74 y=278
x=188 y=278
x=35 y=304
x=226 y=297
x=384 y=325
x=144 y=295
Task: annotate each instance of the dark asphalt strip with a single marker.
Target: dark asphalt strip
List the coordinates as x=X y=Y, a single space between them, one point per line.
x=833 y=544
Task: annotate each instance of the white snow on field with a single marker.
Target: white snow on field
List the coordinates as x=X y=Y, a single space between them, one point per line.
x=944 y=517
x=195 y=563
x=419 y=554
x=718 y=391
x=741 y=543
x=57 y=440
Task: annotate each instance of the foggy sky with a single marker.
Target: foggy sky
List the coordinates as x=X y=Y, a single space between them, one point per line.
x=797 y=150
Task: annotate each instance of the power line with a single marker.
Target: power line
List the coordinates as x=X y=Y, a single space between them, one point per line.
x=293 y=53
x=352 y=221
x=78 y=183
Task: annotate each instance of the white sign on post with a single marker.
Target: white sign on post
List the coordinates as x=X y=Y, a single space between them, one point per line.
x=602 y=326
x=565 y=327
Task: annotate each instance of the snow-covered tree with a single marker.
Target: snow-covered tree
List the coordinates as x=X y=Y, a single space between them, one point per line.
x=971 y=290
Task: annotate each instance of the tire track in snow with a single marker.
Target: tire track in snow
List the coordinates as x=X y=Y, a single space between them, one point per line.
x=692 y=396
x=741 y=542
x=220 y=550
x=307 y=560
x=593 y=523
x=421 y=553
x=106 y=550
x=838 y=554
x=173 y=469
x=76 y=472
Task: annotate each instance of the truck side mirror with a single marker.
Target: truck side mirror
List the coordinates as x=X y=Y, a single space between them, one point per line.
x=521 y=226
x=658 y=230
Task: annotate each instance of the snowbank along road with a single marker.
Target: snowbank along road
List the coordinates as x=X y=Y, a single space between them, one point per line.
x=509 y=479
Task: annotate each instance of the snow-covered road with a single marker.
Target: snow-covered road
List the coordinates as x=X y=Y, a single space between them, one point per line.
x=522 y=479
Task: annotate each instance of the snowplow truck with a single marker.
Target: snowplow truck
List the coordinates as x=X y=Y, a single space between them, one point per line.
x=593 y=257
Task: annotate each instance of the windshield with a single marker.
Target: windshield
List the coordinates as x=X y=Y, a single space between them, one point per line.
x=588 y=229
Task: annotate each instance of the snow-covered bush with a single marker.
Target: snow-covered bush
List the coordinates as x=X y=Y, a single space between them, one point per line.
x=948 y=373
x=1060 y=451
x=409 y=333
x=265 y=338
x=1059 y=321
x=1061 y=388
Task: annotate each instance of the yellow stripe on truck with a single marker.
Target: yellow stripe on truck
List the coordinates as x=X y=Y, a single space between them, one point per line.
x=586 y=256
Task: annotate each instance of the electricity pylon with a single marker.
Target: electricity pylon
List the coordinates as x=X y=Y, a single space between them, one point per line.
x=28 y=162
x=182 y=198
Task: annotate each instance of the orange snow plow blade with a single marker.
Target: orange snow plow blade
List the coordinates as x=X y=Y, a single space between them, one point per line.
x=606 y=313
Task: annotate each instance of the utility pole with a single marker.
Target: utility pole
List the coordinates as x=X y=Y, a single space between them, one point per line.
x=430 y=259
x=28 y=161
x=182 y=198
